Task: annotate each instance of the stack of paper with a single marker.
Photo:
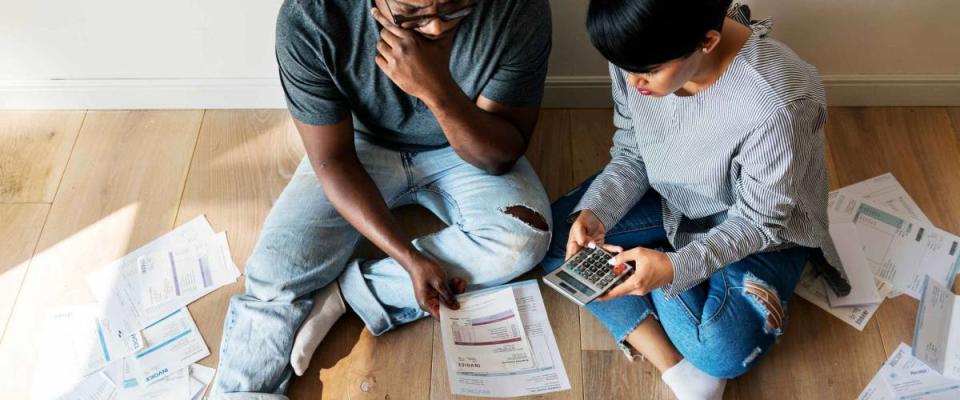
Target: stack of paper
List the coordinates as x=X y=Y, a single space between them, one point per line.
x=887 y=246
x=139 y=340
x=500 y=343
x=905 y=377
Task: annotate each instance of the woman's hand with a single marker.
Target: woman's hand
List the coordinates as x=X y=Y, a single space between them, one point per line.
x=653 y=270
x=586 y=229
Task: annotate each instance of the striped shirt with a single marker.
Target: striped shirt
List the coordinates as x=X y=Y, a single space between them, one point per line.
x=740 y=165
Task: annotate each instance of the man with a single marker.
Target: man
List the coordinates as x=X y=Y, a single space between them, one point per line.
x=444 y=96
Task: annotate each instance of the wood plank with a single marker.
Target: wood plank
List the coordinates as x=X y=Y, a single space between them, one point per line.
x=591 y=132
x=920 y=148
x=121 y=190
x=955 y=121
x=592 y=136
x=34 y=149
x=955 y=124
x=566 y=330
x=20 y=231
x=612 y=376
x=832 y=173
x=243 y=160
x=549 y=151
x=818 y=357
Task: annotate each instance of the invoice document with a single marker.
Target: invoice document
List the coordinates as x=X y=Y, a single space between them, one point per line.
x=904 y=377
x=486 y=334
x=172 y=343
x=886 y=193
x=901 y=250
x=936 y=336
x=543 y=374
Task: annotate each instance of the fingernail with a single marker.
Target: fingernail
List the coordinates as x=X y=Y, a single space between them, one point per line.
x=612 y=261
x=592 y=245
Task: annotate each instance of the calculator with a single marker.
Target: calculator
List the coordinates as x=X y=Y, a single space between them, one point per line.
x=586 y=275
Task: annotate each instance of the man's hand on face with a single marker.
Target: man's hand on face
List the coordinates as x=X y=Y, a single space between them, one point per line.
x=419 y=66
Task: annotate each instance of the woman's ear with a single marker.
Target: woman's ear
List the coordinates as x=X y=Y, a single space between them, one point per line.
x=710 y=41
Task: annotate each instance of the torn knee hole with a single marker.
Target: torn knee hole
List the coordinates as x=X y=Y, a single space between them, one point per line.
x=767 y=302
x=528 y=216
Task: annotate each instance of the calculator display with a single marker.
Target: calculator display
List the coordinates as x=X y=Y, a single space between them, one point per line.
x=575 y=283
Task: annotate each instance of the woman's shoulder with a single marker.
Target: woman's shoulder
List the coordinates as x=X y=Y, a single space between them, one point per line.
x=777 y=76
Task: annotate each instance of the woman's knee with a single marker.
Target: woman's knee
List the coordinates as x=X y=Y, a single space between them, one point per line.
x=727 y=355
x=731 y=346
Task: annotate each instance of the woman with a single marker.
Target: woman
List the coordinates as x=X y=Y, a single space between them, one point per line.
x=716 y=190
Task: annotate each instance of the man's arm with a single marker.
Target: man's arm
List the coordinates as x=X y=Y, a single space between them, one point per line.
x=487 y=134
x=356 y=197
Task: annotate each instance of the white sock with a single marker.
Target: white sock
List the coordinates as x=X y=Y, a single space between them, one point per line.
x=327 y=308
x=690 y=383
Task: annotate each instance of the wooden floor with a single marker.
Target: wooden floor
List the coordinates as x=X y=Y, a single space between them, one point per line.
x=79 y=189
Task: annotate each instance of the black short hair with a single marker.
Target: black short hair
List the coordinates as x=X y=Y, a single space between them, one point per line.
x=638 y=34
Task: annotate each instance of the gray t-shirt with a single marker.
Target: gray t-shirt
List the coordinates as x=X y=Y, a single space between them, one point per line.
x=326 y=51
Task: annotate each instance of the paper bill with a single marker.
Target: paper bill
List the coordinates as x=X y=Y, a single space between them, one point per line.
x=174 y=386
x=73 y=345
x=486 y=334
x=547 y=373
x=885 y=192
x=901 y=250
x=185 y=272
x=95 y=386
x=936 y=337
x=904 y=377
x=200 y=378
x=172 y=344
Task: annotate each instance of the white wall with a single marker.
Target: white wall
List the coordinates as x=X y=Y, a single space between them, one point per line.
x=219 y=53
x=136 y=39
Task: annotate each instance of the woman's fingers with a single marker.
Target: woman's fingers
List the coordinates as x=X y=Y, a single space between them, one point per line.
x=612 y=248
x=575 y=241
x=619 y=290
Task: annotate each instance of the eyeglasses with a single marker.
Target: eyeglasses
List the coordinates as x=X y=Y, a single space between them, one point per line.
x=458 y=10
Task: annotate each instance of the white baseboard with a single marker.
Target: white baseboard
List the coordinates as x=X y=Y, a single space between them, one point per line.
x=561 y=92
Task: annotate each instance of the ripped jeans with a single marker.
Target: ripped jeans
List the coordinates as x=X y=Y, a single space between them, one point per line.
x=723 y=325
x=498 y=229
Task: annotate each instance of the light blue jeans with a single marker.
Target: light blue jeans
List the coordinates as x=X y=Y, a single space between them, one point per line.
x=718 y=325
x=305 y=245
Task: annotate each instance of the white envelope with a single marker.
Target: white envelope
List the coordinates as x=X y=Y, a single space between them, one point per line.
x=859 y=274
